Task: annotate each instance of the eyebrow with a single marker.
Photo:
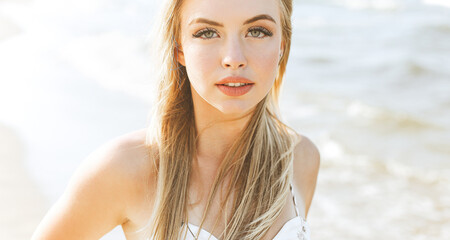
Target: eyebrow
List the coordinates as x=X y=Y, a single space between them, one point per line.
x=248 y=21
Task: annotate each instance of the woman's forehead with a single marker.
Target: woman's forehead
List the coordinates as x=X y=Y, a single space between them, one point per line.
x=229 y=11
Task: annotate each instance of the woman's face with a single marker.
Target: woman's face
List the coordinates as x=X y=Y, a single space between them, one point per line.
x=223 y=38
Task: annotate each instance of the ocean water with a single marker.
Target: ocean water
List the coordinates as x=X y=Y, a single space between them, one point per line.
x=368 y=81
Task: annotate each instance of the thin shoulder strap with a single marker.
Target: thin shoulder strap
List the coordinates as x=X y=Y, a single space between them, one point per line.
x=189 y=229
x=293 y=197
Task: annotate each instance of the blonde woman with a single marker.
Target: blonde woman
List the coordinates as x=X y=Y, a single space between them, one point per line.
x=216 y=162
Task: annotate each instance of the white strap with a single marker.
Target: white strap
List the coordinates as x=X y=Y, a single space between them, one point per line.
x=293 y=197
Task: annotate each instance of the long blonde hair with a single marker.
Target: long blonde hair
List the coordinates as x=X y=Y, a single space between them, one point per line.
x=258 y=162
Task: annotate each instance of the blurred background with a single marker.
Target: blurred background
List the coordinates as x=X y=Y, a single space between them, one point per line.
x=368 y=81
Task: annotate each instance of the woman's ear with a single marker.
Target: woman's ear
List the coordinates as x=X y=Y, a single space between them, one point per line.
x=179 y=55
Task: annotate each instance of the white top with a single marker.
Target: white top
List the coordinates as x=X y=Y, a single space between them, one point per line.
x=295 y=229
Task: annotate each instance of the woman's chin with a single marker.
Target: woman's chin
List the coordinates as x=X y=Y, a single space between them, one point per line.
x=235 y=110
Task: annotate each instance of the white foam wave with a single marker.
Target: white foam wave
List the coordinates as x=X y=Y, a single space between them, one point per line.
x=370 y=4
x=335 y=155
x=443 y=3
x=401 y=120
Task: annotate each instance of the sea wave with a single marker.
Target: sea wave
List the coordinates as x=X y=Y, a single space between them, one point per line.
x=442 y=3
x=370 y=4
x=335 y=156
x=384 y=116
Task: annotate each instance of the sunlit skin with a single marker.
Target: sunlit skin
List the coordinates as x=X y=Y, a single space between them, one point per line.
x=248 y=50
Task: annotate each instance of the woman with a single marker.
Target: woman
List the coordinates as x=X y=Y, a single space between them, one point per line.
x=216 y=161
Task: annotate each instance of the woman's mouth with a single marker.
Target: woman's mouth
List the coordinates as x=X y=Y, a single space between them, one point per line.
x=235 y=89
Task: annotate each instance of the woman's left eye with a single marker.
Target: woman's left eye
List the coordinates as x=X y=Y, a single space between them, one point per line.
x=256 y=31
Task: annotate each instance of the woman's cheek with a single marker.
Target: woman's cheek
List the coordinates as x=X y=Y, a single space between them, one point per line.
x=200 y=67
x=266 y=66
x=265 y=54
x=268 y=63
x=197 y=54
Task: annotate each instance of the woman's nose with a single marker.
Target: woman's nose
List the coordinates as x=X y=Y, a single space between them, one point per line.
x=234 y=56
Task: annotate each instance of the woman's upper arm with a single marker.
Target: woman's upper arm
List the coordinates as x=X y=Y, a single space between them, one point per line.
x=95 y=200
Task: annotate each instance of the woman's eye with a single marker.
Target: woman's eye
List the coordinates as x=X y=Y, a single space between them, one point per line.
x=256 y=32
x=208 y=33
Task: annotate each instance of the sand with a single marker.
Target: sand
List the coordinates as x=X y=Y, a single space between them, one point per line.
x=22 y=205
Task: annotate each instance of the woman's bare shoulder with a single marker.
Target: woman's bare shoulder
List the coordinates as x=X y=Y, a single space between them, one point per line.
x=133 y=160
x=102 y=193
x=129 y=152
x=128 y=159
x=306 y=152
x=127 y=155
x=306 y=168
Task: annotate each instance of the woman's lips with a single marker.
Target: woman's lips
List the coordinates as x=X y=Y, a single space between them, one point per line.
x=235 y=91
x=234 y=79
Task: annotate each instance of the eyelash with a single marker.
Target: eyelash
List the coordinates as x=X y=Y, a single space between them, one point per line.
x=206 y=30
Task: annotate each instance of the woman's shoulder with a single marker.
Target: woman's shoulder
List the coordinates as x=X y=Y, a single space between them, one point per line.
x=306 y=152
x=131 y=158
x=103 y=192
x=126 y=155
x=125 y=162
x=306 y=166
x=129 y=153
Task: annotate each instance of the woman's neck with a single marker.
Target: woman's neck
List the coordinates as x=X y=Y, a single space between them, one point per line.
x=216 y=132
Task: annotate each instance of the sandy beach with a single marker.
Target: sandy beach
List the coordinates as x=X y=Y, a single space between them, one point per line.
x=22 y=205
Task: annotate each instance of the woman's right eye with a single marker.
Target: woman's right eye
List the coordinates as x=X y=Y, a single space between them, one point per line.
x=209 y=33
